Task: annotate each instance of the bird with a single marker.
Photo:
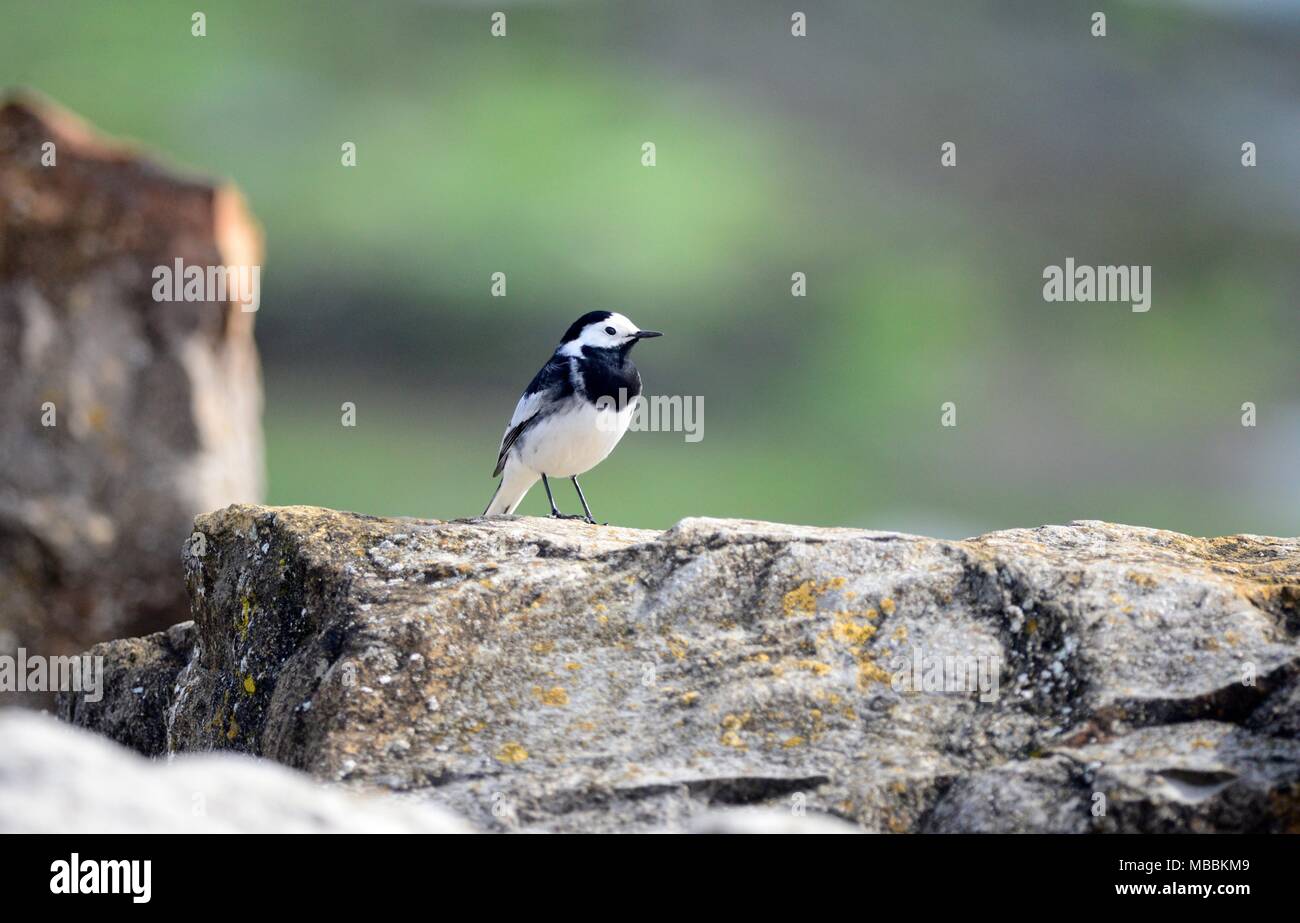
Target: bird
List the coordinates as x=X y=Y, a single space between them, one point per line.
x=573 y=413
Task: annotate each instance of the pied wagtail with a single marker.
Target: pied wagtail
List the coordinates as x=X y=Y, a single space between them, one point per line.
x=573 y=413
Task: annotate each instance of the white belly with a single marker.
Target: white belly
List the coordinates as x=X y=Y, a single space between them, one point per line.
x=574 y=441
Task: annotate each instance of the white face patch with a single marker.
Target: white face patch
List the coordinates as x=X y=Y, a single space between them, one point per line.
x=614 y=331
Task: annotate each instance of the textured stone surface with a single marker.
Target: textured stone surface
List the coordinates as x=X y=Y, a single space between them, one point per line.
x=156 y=405
x=535 y=674
x=139 y=677
x=56 y=779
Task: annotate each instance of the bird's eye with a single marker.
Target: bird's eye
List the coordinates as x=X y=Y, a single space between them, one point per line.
x=610 y=330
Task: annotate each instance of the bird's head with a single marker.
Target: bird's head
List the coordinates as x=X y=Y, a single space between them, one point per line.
x=602 y=330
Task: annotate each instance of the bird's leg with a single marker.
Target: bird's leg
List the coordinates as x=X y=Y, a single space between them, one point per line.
x=555 y=513
x=547 y=484
x=586 y=509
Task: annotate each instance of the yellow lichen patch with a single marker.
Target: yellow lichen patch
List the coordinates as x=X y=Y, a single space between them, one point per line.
x=791 y=742
x=1201 y=743
x=1031 y=626
x=249 y=686
x=677 y=647
x=555 y=696
x=543 y=647
x=732 y=725
x=573 y=665
x=900 y=633
x=813 y=666
x=512 y=753
x=887 y=606
x=869 y=672
x=245 y=616
x=847 y=630
x=690 y=698
x=802 y=598
x=1142 y=580
x=1232 y=637
x=233 y=731
x=734 y=721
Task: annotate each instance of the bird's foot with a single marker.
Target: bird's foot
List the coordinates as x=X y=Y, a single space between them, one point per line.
x=556 y=514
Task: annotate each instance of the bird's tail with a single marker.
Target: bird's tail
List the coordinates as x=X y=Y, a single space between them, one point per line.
x=517 y=481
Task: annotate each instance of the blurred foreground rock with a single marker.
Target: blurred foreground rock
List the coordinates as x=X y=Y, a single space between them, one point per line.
x=542 y=675
x=120 y=417
x=56 y=779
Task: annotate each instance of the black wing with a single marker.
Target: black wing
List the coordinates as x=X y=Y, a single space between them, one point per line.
x=549 y=386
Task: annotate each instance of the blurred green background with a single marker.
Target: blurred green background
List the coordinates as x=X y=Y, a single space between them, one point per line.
x=775 y=155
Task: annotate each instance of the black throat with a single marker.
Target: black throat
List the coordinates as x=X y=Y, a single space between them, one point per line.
x=609 y=373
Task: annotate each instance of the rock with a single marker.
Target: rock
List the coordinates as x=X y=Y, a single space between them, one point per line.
x=546 y=675
x=138 y=679
x=1197 y=777
x=56 y=779
x=154 y=406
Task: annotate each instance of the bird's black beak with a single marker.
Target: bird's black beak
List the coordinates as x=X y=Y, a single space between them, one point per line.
x=646 y=334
